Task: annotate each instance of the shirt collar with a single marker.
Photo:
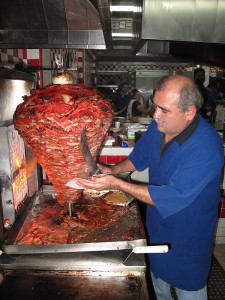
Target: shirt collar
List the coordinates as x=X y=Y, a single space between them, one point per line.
x=183 y=136
x=187 y=132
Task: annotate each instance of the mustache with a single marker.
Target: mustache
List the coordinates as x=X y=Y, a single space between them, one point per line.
x=159 y=122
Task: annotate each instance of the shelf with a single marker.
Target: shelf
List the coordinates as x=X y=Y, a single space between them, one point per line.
x=111 y=72
x=107 y=86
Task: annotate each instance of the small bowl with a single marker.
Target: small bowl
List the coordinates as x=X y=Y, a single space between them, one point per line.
x=120 y=119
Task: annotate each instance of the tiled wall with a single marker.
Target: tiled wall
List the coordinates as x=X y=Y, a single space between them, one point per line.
x=34 y=58
x=130 y=68
x=29 y=57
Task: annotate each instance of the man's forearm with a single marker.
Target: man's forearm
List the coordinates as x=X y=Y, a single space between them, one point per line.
x=122 y=167
x=137 y=191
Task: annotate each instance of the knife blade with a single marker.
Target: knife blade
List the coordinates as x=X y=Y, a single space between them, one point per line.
x=87 y=154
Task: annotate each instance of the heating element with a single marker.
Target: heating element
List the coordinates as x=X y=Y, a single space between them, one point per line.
x=14 y=177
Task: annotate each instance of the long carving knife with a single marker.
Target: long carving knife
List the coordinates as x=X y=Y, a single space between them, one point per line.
x=87 y=154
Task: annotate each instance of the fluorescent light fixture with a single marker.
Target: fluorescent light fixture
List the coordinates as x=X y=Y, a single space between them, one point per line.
x=119 y=34
x=123 y=8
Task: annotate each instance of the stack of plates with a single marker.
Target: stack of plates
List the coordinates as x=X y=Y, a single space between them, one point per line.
x=145 y=120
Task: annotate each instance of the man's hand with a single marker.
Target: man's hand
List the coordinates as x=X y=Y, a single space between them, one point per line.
x=100 y=182
x=105 y=169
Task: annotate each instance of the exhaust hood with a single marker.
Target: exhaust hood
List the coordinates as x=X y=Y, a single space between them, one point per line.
x=190 y=29
x=50 y=24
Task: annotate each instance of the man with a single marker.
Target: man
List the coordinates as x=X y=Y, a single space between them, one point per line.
x=135 y=108
x=185 y=157
x=207 y=105
x=121 y=99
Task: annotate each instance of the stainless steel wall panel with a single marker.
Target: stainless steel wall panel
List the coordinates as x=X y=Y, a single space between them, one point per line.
x=5 y=177
x=204 y=22
x=220 y=27
x=200 y=20
x=12 y=92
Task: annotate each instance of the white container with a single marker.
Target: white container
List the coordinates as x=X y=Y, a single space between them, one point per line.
x=117 y=124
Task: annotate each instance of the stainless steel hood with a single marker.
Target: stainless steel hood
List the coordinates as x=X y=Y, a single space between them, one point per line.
x=50 y=24
x=190 y=29
x=166 y=30
x=67 y=23
x=190 y=21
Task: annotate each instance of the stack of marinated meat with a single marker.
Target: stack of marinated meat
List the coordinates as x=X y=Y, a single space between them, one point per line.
x=51 y=120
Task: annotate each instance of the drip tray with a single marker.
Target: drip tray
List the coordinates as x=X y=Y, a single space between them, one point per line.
x=47 y=286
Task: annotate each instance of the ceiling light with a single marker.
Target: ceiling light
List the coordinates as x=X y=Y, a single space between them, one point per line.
x=123 y=8
x=119 y=34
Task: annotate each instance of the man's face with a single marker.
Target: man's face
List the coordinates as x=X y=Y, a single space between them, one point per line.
x=199 y=77
x=170 y=120
x=125 y=89
x=138 y=96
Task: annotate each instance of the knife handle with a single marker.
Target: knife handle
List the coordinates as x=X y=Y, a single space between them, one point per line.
x=151 y=249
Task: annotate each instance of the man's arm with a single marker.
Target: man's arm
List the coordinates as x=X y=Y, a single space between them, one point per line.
x=122 y=167
x=110 y=182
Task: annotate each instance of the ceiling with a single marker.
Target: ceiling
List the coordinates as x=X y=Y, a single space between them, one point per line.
x=158 y=29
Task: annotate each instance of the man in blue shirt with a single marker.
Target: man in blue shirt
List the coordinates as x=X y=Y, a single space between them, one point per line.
x=121 y=99
x=185 y=157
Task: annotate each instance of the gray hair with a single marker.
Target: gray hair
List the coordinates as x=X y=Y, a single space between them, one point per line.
x=189 y=94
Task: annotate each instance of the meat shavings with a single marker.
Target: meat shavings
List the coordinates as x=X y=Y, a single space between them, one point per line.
x=97 y=222
x=51 y=120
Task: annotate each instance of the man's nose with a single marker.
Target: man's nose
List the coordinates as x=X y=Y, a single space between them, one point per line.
x=157 y=113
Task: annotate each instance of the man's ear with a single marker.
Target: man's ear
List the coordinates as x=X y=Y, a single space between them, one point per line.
x=191 y=112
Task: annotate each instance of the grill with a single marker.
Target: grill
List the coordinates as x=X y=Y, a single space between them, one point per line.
x=47 y=253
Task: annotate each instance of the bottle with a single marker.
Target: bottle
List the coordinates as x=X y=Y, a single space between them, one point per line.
x=127 y=117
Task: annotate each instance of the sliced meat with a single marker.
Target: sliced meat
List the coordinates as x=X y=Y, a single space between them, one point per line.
x=51 y=120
